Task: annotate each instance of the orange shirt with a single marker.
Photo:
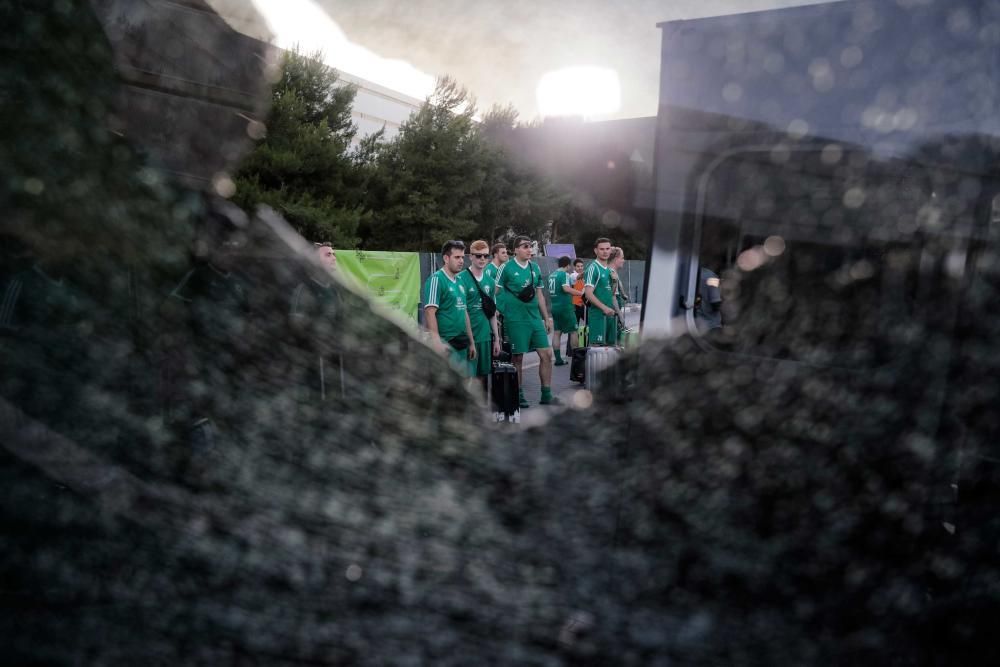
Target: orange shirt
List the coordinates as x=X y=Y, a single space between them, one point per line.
x=578 y=285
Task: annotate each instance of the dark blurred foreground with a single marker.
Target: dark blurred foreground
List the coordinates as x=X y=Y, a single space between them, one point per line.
x=177 y=489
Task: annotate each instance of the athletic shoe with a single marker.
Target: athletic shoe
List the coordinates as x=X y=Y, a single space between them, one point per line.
x=551 y=400
x=561 y=362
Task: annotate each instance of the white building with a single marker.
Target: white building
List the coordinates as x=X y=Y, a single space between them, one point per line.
x=376 y=106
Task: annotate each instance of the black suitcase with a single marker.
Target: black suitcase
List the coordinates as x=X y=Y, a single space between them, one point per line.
x=504 y=393
x=505 y=355
x=578 y=365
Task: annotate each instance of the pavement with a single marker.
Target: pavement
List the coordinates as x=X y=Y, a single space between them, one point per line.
x=571 y=394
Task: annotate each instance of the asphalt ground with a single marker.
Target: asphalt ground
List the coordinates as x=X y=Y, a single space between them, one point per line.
x=571 y=394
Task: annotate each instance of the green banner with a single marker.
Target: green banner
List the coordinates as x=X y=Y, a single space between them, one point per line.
x=393 y=278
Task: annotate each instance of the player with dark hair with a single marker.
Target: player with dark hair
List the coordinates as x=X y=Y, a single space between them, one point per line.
x=561 y=295
x=445 y=311
x=526 y=318
x=601 y=321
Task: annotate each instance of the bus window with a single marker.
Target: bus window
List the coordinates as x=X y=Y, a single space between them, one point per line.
x=783 y=243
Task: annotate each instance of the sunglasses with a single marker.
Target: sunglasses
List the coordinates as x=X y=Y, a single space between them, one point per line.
x=480 y=256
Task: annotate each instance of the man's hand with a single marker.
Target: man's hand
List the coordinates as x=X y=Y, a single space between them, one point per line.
x=548 y=325
x=608 y=311
x=496 y=347
x=441 y=347
x=472 y=352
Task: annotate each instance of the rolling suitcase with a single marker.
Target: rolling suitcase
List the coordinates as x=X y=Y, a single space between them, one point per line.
x=578 y=365
x=505 y=355
x=578 y=356
x=504 y=393
x=597 y=361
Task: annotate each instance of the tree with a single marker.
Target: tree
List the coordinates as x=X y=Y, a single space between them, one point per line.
x=427 y=187
x=499 y=119
x=444 y=176
x=303 y=167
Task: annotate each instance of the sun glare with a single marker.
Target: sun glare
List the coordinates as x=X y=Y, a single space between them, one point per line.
x=302 y=23
x=579 y=91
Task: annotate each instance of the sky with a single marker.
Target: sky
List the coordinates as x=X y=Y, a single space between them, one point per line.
x=592 y=58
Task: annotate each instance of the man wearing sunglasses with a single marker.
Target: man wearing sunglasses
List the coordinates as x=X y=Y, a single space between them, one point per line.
x=526 y=320
x=484 y=328
x=445 y=310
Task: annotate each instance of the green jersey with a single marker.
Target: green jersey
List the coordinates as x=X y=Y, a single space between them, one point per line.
x=492 y=270
x=513 y=278
x=448 y=296
x=616 y=288
x=599 y=277
x=481 y=330
x=559 y=297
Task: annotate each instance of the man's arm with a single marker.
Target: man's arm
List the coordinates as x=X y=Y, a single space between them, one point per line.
x=495 y=328
x=589 y=292
x=540 y=292
x=497 y=286
x=544 y=310
x=593 y=275
x=431 y=319
x=714 y=290
x=468 y=332
x=615 y=293
x=431 y=305
x=568 y=288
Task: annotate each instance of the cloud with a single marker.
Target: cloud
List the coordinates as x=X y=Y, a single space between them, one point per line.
x=304 y=24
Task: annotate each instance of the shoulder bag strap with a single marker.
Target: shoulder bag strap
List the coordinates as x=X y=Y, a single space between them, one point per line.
x=478 y=286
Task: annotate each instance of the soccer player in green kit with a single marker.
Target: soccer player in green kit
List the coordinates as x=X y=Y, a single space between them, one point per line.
x=499 y=252
x=561 y=295
x=601 y=319
x=526 y=319
x=445 y=311
x=484 y=329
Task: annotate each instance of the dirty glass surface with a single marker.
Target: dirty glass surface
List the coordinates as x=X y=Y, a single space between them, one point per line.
x=821 y=223
x=196 y=472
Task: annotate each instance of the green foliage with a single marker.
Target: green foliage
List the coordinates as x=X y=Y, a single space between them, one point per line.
x=429 y=176
x=302 y=167
x=500 y=119
x=445 y=175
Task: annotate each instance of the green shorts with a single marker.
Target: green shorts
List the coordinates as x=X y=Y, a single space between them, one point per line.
x=603 y=330
x=460 y=362
x=483 y=365
x=564 y=320
x=526 y=336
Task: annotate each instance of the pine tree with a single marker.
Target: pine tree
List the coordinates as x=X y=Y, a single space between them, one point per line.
x=303 y=167
x=429 y=176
